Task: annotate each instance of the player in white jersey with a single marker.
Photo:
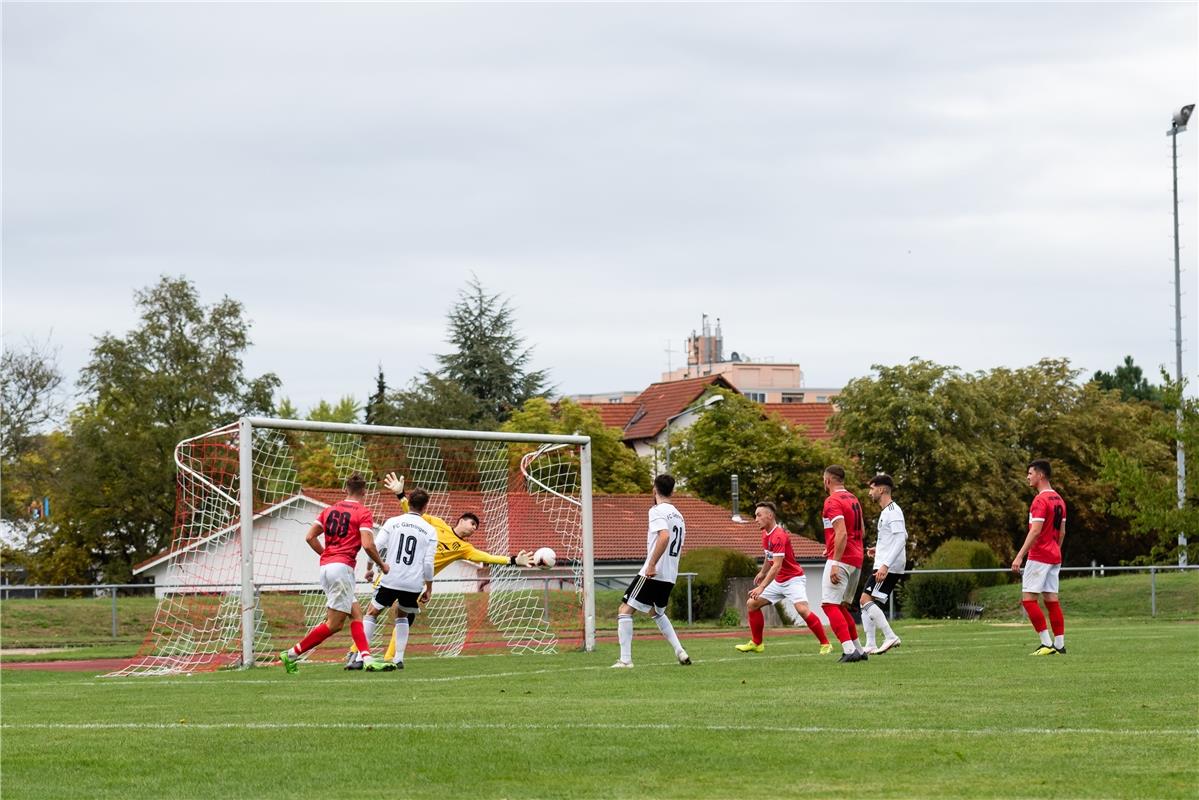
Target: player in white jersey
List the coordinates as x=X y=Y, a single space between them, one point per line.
x=408 y=543
x=890 y=559
x=650 y=590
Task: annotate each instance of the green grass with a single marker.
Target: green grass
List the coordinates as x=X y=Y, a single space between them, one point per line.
x=960 y=710
x=1125 y=595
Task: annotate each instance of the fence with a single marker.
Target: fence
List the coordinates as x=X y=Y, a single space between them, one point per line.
x=140 y=602
x=1097 y=571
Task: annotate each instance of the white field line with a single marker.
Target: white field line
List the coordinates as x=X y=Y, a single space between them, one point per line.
x=600 y=726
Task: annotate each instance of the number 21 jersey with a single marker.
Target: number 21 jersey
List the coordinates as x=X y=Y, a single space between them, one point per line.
x=665 y=517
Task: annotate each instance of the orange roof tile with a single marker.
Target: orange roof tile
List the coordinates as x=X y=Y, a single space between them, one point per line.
x=813 y=417
x=661 y=401
x=614 y=415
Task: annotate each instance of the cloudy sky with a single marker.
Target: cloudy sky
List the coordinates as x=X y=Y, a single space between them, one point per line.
x=841 y=185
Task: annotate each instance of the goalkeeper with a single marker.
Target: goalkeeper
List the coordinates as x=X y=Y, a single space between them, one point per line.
x=452 y=545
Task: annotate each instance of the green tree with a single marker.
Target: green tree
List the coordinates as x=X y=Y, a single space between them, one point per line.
x=178 y=374
x=773 y=461
x=29 y=398
x=1130 y=381
x=1144 y=485
x=615 y=468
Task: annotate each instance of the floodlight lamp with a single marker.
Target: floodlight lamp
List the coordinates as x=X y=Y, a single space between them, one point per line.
x=1182 y=115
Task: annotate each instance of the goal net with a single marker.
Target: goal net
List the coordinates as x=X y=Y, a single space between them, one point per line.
x=239 y=583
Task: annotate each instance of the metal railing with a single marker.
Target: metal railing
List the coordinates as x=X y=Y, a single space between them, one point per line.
x=111 y=589
x=1096 y=570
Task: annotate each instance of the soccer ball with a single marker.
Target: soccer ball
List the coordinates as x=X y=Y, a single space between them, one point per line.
x=544 y=558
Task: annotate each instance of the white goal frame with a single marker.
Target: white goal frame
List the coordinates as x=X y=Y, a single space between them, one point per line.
x=246 y=426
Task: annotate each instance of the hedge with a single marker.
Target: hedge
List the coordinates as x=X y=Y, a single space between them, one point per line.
x=715 y=567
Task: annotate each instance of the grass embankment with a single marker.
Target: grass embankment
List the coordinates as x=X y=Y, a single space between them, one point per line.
x=1124 y=596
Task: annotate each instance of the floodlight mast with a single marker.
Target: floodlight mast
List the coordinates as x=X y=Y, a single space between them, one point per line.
x=1179 y=120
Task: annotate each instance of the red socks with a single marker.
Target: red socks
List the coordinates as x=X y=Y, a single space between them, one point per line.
x=315 y=636
x=814 y=625
x=1056 y=620
x=853 y=629
x=358 y=634
x=1034 y=614
x=836 y=621
x=756 y=623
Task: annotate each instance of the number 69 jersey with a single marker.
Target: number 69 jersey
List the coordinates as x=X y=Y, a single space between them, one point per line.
x=407 y=543
x=665 y=517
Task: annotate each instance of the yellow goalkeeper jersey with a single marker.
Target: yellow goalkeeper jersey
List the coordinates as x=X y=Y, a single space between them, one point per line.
x=451 y=547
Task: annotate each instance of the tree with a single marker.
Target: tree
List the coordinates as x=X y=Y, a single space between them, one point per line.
x=312 y=452
x=615 y=468
x=773 y=461
x=29 y=383
x=1130 y=381
x=481 y=383
x=178 y=374
x=376 y=404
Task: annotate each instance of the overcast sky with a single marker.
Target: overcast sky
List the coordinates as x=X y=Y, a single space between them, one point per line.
x=841 y=185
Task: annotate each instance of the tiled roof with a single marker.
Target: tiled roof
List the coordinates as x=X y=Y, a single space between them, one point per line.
x=614 y=415
x=661 y=401
x=620 y=522
x=813 y=417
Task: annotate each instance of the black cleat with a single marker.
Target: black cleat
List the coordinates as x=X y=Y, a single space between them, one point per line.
x=849 y=658
x=862 y=656
x=399 y=664
x=1061 y=650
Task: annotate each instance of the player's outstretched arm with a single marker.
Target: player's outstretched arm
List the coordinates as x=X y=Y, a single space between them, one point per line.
x=523 y=559
x=393 y=483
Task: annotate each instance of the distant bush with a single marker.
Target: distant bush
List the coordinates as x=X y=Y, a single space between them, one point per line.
x=715 y=567
x=939 y=596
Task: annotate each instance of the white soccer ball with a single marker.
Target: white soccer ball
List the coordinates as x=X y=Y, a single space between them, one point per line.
x=544 y=558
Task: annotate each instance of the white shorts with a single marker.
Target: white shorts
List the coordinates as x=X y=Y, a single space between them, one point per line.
x=793 y=590
x=337 y=580
x=1040 y=577
x=840 y=592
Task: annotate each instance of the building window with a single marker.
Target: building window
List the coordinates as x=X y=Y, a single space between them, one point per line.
x=820 y=398
x=792 y=397
x=757 y=397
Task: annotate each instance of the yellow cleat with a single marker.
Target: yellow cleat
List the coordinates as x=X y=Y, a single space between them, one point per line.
x=825 y=649
x=750 y=647
x=1044 y=650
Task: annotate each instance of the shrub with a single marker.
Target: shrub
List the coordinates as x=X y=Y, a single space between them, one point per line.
x=938 y=596
x=714 y=567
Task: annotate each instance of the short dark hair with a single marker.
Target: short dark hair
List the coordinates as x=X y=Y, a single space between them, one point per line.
x=664 y=484
x=767 y=504
x=837 y=471
x=471 y=516
x=882 y=479
x=1041 y=465
x=356 y=484
x=418 y=499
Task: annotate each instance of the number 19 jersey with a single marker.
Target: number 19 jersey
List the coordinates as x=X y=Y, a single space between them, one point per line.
x=665 y=517
x=410 y=542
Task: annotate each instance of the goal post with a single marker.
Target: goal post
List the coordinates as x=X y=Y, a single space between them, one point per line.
x=239 y=582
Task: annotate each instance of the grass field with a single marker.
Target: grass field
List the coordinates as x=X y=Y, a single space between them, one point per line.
x=960 y=710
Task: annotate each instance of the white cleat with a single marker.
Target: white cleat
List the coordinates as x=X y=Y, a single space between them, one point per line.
x=684 y=659
x=888 y=644
x=870 y=650
x=623 y=665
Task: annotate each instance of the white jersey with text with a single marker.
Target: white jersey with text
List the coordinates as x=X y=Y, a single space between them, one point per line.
x=891 y=549
x=665 y=517
x=407 y=543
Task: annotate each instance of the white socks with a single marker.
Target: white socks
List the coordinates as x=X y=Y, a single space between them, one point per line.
x=624 y=632
x=1059 y=641
x=667 y=631
x=875 y=620
x=401 y=638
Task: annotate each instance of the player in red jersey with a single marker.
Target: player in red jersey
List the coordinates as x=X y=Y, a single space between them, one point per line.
x=347 y=527
x=780 y=578
x=843 y=536
x=1043 y=546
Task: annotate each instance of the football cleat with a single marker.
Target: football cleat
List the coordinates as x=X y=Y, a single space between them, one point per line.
x=849 y=658
x=355 y=664
x=380 y=666
x=683 y=658
x=888 y=644
x=1061 y=650
x=351 y=657
x=623 y=665
x=825 y=649
x=289 y=662
x=870 y=650
x=750 y=647
x=398 y=664
x=1044 y=650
